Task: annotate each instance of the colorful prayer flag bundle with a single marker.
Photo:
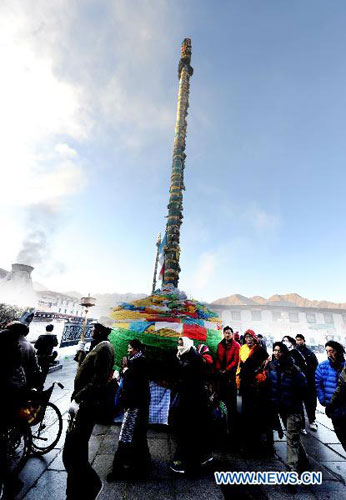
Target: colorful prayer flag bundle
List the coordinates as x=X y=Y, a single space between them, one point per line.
x=160 y=319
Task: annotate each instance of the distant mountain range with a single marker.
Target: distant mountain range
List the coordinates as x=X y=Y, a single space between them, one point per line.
x=109 y=298
x=289 y=299
x=105 y=301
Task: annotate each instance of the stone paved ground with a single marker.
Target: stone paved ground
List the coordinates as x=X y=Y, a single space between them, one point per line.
x=45 y=477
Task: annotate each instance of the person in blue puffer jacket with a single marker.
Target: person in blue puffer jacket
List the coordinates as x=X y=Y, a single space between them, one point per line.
x=287 y=391
x=328 y=372
x=326 y=377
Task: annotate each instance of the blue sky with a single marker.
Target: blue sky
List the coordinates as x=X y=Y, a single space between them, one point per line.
x=88 y=113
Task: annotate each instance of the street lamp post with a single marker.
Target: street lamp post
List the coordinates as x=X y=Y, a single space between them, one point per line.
x=87 y=303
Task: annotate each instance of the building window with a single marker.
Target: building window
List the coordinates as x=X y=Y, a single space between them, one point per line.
x=276 y=315
x=311 y=317
x=328 y=318
x=293 y=317
x=236 y=316
x=256 y=315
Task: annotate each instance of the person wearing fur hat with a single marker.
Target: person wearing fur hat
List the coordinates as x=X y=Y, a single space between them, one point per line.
x=252 y=359
x=191 y=411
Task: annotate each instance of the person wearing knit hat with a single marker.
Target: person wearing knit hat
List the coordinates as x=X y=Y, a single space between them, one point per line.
x=191 y=418
x=252 y=359
x=252 y=333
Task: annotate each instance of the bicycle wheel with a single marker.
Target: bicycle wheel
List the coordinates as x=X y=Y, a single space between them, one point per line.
x=47 y=432
x=18 y=446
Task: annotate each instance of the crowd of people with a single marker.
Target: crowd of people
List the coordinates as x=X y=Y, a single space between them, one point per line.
x=238 y=384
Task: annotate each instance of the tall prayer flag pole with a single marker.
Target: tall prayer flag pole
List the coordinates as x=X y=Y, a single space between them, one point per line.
x=175 y=206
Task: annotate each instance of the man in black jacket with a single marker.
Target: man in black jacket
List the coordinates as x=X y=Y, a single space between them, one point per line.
x=288 y=388
x=90 y=383
x=311 y=364
x=44 y=346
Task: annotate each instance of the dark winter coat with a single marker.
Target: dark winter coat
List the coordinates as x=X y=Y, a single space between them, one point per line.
x=227 y=356
x=135 y=392
x=251 y=367
x=93 y=374
x=298 y=359
x=326 y=379
x=45 y=344
x=311 y=363
x=337 y=407
x=30 y=364
x=12 y=373
x=191 y=378
x=288 y=386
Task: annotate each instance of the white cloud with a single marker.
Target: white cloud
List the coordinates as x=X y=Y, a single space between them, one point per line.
x=205 y=270
x=260 y=219
x=264 y=221
x=68 y=79
x=36 y=106
x=65 y=151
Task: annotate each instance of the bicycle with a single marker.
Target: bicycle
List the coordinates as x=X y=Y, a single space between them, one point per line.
x=16 y=441
x=46 y=422
x=35 y=431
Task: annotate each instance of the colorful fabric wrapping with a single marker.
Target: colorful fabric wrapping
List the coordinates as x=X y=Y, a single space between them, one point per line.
x=124 y=325
x=155 y=318
x=177 y=327
x=155 y=343
x=195 y=332
x=126 y=314
x=167 y=332
x=194 y=321
x=213 y=338
x=140 y=326
x=159 y=319
x=210 y=325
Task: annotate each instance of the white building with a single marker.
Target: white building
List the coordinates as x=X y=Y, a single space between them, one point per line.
x=318 y=325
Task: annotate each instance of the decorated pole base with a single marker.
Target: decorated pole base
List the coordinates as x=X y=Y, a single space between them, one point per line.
x=160 y=319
